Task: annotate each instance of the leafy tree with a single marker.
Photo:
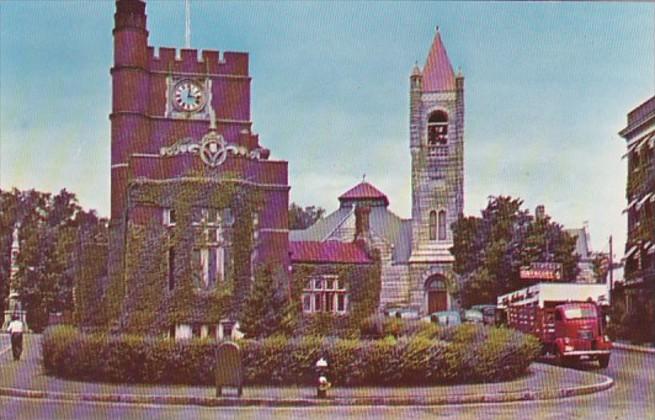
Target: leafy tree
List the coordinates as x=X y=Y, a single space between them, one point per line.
x=490 y=250
x=302 y=218
x=267 y=307
x=601 y=267
x=50 y=232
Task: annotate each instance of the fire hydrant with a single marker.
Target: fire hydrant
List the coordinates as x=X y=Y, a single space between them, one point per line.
x=322 y=385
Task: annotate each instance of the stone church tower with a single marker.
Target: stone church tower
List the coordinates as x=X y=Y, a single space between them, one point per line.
x=437 y=149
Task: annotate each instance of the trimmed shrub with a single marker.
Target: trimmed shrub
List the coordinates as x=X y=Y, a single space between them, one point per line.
x=475 y=354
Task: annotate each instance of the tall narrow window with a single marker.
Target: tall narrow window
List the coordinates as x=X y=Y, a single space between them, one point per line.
x=171 y=268
x=442 y=225
x=433 y=225
x=438 y=129
x=208 y=266
x=208 y=261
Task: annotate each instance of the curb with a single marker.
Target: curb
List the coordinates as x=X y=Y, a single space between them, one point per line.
x=5 y=350
x=308 y=402
x=631 y=347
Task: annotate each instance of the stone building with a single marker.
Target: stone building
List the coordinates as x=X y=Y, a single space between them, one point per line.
x=639 y=271
x=415 y=253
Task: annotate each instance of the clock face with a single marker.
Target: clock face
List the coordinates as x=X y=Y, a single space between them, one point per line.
x=188 y=96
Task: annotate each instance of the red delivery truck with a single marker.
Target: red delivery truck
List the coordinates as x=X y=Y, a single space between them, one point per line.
x=566 y=317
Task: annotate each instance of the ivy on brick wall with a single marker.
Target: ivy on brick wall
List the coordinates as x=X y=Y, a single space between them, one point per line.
x=362 y=283
x=87 y=294
x=140 y=301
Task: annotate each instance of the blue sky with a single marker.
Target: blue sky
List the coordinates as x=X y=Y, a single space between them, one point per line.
x=547 y=88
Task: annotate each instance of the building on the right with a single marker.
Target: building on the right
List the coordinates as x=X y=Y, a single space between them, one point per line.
x=639 y=274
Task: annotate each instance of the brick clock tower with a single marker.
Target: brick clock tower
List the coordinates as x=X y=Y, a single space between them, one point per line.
x=437 y=149
x=179 y=115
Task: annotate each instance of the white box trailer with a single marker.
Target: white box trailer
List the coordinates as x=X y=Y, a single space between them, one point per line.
x=547 y=294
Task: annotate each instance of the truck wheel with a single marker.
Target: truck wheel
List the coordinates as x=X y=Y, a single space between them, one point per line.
x=562 y=360
x=604 y=361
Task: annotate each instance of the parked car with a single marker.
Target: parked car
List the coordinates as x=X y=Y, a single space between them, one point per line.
x=445 y=318
x=403 y=313
x=488 y=313
x=472 y=316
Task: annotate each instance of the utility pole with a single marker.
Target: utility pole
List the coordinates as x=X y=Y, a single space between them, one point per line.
x=611 y=268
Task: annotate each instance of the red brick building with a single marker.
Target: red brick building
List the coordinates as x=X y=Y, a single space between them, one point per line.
x=181 y=120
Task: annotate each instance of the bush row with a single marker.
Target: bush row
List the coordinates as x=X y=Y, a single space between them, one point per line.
x=475 y=354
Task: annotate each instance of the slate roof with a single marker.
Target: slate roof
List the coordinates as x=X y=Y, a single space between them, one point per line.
x=438 y=73
x=328 y=252
x=364 y=191
x=382 y=223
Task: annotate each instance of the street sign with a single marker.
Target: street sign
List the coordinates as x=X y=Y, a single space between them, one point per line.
x=542 y=271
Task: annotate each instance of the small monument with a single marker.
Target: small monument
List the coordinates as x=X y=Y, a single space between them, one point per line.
x=14 y=306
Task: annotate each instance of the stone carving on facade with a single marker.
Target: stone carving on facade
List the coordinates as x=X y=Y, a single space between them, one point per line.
x=212 y=149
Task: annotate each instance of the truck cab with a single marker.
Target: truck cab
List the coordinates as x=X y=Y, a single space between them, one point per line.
x=578 y=334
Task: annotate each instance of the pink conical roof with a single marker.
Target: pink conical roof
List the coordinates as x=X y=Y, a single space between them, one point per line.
x=438 y=73
x=364 y=191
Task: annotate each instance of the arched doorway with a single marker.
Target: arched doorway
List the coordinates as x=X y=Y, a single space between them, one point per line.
x=437 y=296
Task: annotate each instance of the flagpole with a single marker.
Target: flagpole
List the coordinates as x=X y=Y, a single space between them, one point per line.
x=187 y=24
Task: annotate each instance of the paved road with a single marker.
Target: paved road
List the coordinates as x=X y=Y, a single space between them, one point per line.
x=632 y=397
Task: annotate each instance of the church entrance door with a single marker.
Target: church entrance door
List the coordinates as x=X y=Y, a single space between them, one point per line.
x=437 y=295
x=437 y=301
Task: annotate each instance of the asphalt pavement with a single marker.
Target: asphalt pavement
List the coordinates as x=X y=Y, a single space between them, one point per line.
x=25 y=378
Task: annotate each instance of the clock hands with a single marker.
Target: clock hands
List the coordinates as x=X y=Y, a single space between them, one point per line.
x=188 y=96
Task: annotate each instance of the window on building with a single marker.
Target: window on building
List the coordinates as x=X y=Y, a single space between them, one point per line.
x=442 y=225
x=433 y=225
x=208 y=261
x=209 y=266
x=438 y=129
x=324 y=294
x=171 y=332
x=169 y=217
x=196 y=330
x=171 y=268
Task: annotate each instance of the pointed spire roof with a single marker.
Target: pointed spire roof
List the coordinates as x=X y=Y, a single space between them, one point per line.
x=364 y=192
x=416 y=71
x=438 y=73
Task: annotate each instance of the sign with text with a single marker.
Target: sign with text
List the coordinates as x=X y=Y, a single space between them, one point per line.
x=542 y=271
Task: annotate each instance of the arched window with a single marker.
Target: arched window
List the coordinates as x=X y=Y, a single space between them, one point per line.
x=438 y=128
x=442 y=225
x=436 y=282
x=433 y=225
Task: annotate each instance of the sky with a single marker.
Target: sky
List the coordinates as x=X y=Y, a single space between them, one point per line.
x=547 y=88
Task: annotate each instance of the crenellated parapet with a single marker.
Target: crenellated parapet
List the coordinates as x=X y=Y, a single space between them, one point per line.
x=206 y=62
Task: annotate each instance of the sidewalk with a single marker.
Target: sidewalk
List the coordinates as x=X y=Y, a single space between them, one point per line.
x=25 y=378
x=632 y=347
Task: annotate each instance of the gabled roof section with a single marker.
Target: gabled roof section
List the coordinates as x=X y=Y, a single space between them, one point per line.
x=364 y=192
x=383 y=223
x=438 y=73
x=328 y=252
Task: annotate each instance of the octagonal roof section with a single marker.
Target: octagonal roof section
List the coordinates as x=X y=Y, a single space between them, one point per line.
x=363 y=193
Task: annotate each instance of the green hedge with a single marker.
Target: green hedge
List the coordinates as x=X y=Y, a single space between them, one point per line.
x=474 y=354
